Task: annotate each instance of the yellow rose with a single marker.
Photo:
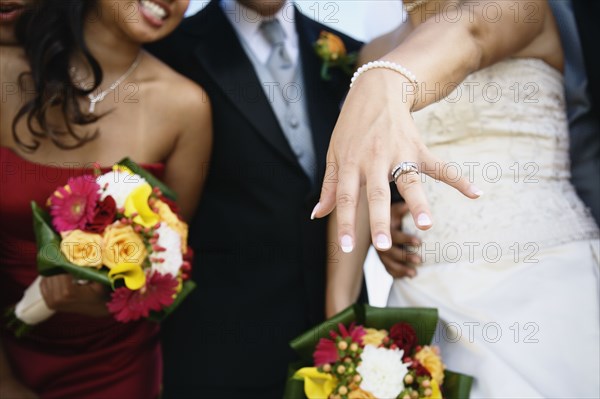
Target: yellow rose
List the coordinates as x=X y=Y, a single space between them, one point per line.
x=122 y=245
x=374 y=337
x=430 y=359
x=137 y=203
x=330 y=47
x=82 y=249
x=360 y=394
x=173 y=221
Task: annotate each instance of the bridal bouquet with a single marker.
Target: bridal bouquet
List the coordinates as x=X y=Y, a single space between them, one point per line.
x=390 y=359
x=120 y=229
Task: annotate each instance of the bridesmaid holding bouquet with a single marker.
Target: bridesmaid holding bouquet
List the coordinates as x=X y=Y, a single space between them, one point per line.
x=82 y=91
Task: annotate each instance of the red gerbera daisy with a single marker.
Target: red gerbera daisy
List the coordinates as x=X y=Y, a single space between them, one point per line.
x=354 y=332
x=158 y=293
x=73 y=206
x=327 y=350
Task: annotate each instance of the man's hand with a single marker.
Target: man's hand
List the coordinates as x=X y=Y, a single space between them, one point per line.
x=400 y=261
x=62 y=293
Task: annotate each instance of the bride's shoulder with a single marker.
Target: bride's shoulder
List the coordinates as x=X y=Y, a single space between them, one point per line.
x=546 y=44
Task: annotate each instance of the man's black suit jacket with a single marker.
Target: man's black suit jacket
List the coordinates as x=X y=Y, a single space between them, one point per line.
x=259 y=260
x=585 y=148
x=586 y=15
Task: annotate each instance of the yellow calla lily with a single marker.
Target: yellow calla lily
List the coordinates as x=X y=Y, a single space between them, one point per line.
x=134 y=276
x=317 y=385
x=435 y=390
x=137 y=202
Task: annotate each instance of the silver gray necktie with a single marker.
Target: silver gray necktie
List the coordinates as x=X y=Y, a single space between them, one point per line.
x=289 y=112
x=279 y=63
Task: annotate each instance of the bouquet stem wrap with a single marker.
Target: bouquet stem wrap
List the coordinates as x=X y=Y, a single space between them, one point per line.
x=32 y=309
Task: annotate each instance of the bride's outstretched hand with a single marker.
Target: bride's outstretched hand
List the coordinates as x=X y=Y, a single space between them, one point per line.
x=375 y=134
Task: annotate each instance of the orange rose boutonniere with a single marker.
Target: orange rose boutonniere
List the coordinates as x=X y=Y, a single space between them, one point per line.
x=331 y=49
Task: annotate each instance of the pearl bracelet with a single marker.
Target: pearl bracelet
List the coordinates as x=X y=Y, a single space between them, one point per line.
x=387 y=65
x=409 y=7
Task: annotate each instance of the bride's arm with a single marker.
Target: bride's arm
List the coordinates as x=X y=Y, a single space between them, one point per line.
x=385 y=43
x=345 y=270
x=375 y=130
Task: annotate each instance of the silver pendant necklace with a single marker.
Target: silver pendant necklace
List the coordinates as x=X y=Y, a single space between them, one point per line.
x=94 y=99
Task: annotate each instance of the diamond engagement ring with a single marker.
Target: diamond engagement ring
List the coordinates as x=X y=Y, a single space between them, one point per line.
x=404 y=168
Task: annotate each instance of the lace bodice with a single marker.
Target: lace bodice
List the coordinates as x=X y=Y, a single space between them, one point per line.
x=505 y=128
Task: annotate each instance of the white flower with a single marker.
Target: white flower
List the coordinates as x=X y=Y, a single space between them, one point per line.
x=172 y=259
x=382 y=371
x=119 y=184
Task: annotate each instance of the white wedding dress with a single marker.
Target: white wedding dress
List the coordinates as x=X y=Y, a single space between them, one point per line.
x=514 y=274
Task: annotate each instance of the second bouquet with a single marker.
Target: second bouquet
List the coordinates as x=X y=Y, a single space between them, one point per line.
x=121 y=229
x=374 y=353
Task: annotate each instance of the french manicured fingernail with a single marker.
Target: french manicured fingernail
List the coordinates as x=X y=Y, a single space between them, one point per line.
x=476 y=191
x=411 y=273
x=315 y=210
x=383 y=242
x=347 y=244
x=424 y=220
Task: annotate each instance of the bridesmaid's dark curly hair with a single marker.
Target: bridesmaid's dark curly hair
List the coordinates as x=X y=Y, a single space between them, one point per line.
x=51 y=33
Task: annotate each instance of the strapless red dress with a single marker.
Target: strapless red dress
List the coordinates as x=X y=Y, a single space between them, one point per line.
x=68 y=355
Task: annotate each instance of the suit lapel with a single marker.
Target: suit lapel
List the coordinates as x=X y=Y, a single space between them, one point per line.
x=224 y=59
x=322 y=107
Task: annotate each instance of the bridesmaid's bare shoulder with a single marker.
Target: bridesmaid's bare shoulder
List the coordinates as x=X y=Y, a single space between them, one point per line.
x=180 y=94
x=12 y=63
